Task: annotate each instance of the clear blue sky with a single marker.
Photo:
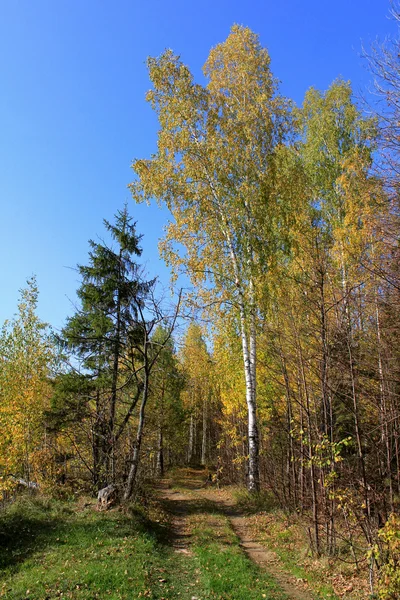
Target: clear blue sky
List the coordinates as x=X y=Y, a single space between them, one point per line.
x=73 y=115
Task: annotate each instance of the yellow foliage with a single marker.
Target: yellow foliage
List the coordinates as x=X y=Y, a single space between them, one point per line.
x=25 y=389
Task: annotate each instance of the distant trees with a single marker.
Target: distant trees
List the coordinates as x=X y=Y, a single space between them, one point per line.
x=167 y=411
x=151 y=350
x=198 y=395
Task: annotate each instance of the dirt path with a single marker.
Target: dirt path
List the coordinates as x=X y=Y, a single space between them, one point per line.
x=190 y=496
x=268 y=560
x=176 y=504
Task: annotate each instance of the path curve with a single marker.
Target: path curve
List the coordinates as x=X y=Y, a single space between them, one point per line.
x=176 y=503
x=262 y=556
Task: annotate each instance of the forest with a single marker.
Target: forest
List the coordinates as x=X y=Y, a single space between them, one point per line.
x=275 y=367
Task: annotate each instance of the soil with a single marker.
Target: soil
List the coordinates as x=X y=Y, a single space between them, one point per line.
x=194 y=496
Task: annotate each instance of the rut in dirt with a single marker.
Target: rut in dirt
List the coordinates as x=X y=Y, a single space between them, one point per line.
x=190 y=495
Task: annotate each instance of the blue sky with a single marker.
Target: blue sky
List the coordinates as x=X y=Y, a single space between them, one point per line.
x=73 y=114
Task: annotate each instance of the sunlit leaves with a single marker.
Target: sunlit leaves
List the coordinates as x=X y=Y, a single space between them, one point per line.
x=26 y=359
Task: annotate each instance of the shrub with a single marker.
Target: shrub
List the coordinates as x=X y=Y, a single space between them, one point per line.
x=387 y=554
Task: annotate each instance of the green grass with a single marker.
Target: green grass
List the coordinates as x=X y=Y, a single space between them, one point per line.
x=287 y=543
x=226 y=572
x=288 y=559
x=51 y=549
x=251 y=502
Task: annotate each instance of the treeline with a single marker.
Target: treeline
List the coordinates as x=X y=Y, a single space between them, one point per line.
x=285 y=219
x=74 y=403
x=109 y=400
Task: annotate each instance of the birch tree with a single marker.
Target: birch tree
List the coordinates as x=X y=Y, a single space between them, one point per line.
x=214 y=170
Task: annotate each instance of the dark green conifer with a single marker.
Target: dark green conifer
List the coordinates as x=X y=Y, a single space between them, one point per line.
x=101 y=332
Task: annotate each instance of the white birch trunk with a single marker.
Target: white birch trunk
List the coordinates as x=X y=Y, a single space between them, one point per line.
x=191 y=440
x=249 y=360
x=248 y=337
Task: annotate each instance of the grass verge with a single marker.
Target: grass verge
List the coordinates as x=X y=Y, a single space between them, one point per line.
x=330 y=577
x=52 y=549
x=226 y=573
x=56 y=550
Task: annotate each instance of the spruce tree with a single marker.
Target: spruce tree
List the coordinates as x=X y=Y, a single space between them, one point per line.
x=101 y=332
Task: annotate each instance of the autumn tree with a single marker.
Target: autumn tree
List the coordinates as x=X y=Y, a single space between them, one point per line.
x=27 y=357
x=214 y=169
x=229 y=390
x=382 y=264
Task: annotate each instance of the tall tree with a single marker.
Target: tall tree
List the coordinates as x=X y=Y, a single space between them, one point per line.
x=104 y=331
x=214 y=170
x=337 y=152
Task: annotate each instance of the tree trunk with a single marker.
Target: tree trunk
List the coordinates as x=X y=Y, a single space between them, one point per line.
x=249 y=360
x=204 y=435
x=114 y=383
x=160 y=454
x=131 y=481
x=383 y=412
x=191 y=440
x=160 y=443
x=315 y=510
x=290 y=466
x=249 y=350
x=97 y=444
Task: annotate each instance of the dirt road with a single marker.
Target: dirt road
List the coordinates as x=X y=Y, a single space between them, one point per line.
x=186 y=495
